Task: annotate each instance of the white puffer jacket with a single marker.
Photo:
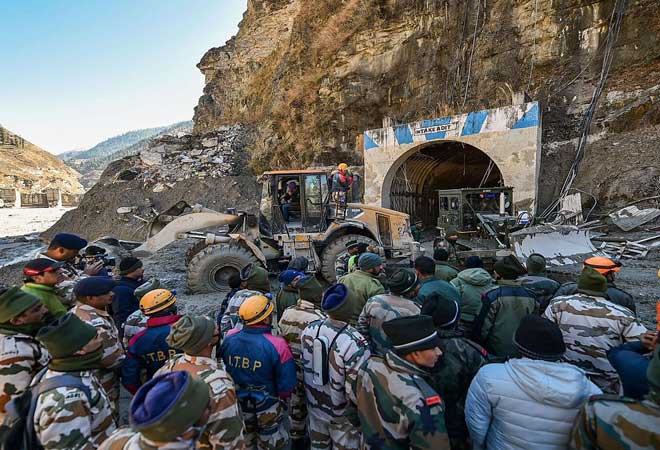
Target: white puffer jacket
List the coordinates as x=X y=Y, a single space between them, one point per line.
x=525 y=404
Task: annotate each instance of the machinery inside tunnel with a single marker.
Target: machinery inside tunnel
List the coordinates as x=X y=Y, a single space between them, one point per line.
x=440 y=165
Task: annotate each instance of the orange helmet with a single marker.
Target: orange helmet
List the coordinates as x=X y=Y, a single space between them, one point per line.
x=603 y=265
x=342 y=166
x=255 y=309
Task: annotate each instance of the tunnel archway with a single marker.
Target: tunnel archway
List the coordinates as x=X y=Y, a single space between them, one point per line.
x=410 y=185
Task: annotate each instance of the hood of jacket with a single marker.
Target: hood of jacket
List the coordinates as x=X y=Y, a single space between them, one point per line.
x=551 y=383
x=475 y=277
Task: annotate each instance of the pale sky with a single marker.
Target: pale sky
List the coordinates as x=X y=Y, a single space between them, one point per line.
x=73 y=73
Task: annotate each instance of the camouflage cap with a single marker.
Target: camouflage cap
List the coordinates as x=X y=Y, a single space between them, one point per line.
x=14 y=302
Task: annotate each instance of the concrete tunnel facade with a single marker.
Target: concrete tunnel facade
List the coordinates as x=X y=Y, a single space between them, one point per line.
x=406 y=164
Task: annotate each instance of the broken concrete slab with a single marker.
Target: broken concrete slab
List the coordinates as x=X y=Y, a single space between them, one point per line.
x=631 y=217
x=151 y=158
x=560 y=244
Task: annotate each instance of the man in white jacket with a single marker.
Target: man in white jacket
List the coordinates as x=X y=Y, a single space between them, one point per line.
x=529 y=402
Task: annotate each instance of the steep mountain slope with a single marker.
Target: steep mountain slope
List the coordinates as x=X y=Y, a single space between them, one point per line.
x=313 y=75
x=30 y=169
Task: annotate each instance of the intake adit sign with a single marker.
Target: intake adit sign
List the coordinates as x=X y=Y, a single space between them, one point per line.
x=435 y=128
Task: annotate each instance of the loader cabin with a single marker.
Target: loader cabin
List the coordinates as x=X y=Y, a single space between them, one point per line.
x=294 y=201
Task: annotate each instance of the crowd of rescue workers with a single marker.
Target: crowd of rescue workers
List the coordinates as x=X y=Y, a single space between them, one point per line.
x=427 y=357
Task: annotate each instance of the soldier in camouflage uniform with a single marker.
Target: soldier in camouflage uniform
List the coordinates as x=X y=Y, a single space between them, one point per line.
x=332 y=418
x=460 y=362
x=197 y=336
x=167 y=413
x=294 y=320
x=94 y=295
x=21 y=356
x=397 y=407
x=364 y=283
x=65 y=417
x=591 y=325
x=613 y=423
x=379 y=309
x=254 y=281
x=341 y=265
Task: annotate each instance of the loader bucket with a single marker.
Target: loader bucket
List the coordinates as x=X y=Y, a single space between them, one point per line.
x=183 y=224
x=560 y=244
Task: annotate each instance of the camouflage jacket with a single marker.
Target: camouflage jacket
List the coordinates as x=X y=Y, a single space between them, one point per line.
x=224 y=428
x=341 y=265
x=614 y=294
x=135 y=323
x=65 y=419
x=113 y=352
x=613 y=423
x=397 y=407
x=363 y=286
x=451 y=377
x=230 y=318
x=126 y=438
x=349 y=352
x=380 y=309
x=293 y=322
x=591 y=326
x=21 y=357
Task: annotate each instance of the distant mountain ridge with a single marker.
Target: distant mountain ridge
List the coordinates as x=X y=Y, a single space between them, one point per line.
x=30 y=169
x=91 y=162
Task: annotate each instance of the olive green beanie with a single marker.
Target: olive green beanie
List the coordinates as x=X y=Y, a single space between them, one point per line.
x=66 y=336
x=14 y=302
x=592 y=283
x=258 y=280
x=310 y=289
x=191 y=334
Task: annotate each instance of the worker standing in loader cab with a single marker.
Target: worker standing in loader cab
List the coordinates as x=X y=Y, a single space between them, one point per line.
x=342 y=180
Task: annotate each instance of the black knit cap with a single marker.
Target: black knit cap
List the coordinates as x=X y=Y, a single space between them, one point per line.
x=129 y=264
x=412 y=333
x=445 y=312
x=539 y=338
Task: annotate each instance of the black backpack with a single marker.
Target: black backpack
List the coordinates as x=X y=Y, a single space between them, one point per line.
x=17 y=429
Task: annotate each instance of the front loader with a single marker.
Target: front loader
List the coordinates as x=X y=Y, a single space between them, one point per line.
x=309 y=225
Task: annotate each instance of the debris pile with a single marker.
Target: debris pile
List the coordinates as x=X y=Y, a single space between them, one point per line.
x=171 y=159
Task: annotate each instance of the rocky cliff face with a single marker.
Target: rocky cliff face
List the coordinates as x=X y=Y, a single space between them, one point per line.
x=30 y=169
x=313 y=75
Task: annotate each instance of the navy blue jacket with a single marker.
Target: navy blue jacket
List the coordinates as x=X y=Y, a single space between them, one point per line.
x=630 y=362
x=147 y=350
x=125 y=303
x=261 y=365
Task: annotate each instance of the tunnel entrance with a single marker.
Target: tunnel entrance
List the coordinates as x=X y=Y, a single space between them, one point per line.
x=440 y=165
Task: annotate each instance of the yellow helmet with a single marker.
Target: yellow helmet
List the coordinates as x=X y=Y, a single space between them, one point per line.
x=342 y=166
x=255 y=309
x=156 y=300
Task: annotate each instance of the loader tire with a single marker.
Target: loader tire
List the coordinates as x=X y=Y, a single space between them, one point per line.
x=332 y=251
x=196 y=248
x=209 y=270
